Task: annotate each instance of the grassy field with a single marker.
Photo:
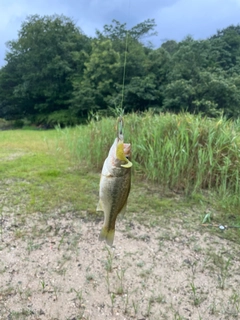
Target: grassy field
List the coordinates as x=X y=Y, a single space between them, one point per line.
x=45 y=177
x=185 y=172
x=196 y=157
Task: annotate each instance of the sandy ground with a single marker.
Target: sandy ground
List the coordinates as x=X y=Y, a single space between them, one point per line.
x=53 y=266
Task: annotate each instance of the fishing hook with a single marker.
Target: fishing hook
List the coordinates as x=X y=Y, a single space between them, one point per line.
x=120 y=128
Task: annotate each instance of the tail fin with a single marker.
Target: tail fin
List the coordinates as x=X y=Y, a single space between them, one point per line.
x=107 y=235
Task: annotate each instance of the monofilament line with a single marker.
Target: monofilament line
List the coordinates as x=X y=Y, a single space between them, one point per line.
x=124 y=65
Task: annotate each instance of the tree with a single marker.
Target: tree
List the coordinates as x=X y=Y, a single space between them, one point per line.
x=141 y=93
x=170 y=46
x=99 y=78
x=56 y=73
x=117 y=31
x=9 y=104
x=117 y=54
x=198 y=82
x=42 y=61
x=226 y=47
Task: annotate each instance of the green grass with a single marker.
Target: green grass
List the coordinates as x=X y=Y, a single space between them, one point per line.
x=179 y=161
x=179 y=151
x=182 y=152
x=190 y=155
x=38 y=180
x=54 y=175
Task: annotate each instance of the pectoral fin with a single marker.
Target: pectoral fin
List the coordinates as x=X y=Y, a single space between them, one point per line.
x=99 y=206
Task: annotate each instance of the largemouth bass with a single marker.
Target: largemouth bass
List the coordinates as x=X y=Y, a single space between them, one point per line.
x=115 y=186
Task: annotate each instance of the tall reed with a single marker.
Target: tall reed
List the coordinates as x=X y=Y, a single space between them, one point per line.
x=184 y=151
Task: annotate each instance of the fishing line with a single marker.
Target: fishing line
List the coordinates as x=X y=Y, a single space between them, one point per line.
x=124 y=71
x=124 y=66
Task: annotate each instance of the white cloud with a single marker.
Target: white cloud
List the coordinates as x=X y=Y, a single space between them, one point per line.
x=14 y=12
x=200 y=19
x=8 y=13
x=175 y=18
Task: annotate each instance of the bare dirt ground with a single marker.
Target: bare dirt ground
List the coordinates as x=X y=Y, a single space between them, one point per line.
x=52 y=266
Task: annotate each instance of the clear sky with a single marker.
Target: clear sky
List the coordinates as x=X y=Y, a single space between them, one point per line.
x=175 y=19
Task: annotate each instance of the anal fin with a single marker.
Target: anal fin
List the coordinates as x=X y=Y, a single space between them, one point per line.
x=123 y=210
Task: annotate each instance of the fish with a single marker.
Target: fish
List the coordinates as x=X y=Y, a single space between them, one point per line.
x=114 y=188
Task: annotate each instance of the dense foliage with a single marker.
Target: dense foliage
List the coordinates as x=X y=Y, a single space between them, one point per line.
x=54 y=73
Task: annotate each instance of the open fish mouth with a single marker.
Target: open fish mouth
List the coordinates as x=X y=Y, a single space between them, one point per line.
x=127 y=150
x=123 y=152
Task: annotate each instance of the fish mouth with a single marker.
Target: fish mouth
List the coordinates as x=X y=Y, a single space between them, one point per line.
x=123 y=152
x=127 y=149
x=127 y=152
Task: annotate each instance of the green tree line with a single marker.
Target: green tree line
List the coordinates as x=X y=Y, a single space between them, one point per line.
x=54 y=73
